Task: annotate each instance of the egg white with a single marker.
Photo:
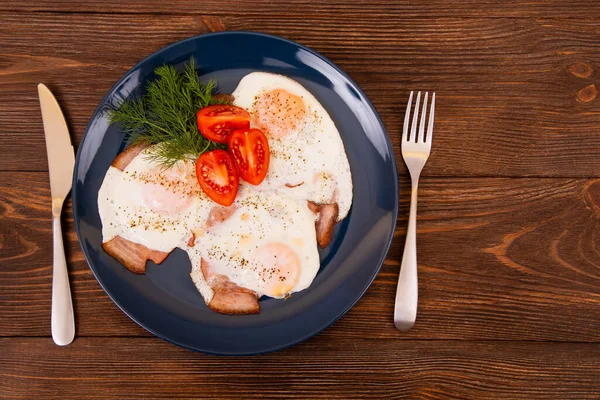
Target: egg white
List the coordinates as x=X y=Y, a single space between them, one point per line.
x=124 y=211
x=231 y=246
x=308 y=164
x=259 y=219
x=313 y=158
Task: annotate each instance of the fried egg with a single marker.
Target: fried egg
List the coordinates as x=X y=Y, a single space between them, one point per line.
x=267 y=245
x=266 y=241
x=150 y=205
x=308 y=159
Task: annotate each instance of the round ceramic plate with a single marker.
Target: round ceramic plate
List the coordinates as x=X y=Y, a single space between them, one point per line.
x=164 y=300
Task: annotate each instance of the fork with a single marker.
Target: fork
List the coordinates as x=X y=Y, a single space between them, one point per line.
x=415 y=151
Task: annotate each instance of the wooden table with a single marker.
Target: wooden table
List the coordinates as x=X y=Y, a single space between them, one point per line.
x=509 y=207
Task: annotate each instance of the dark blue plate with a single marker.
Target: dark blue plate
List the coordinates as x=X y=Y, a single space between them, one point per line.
x=164 y=300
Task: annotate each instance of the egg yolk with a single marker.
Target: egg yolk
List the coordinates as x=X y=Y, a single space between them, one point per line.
x=167 y=192
x=279 y=113
x=280 y=268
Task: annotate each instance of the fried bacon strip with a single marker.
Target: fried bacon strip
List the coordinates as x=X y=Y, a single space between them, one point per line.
x=326 y=217
x=122 y=160
x=132 y=255
x=228 y=297
x=223 y=97
x=219 y=214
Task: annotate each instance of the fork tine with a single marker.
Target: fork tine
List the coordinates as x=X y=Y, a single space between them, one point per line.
x=422 y=123
x=413 y=128
x=430 y=124
x=407 y=118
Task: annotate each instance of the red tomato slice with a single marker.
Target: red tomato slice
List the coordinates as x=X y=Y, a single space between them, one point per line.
x=217 y=122
x=218 y=176
x=250 y=151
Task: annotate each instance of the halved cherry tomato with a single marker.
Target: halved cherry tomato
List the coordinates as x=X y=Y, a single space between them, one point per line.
x=250 y=151
x=217 y=122
x=218 y=176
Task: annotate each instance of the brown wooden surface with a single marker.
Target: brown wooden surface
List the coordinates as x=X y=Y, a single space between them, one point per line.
x=509 y=206
x=96 y=368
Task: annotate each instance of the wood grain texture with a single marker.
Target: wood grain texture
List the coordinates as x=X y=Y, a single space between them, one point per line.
x=319 y=10
x=320 y=368
x=501 y=259
x=511 y=99
x=509 y=207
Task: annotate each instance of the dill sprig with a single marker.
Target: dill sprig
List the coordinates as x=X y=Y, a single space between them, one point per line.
x=165 y=115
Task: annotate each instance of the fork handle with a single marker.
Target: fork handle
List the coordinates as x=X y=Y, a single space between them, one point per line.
x=63 y=322
x=405 y=311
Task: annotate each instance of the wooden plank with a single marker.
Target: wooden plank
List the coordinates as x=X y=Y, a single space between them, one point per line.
x=322 y=368
x=515 y=97
x=316 y=11
x=499 y=259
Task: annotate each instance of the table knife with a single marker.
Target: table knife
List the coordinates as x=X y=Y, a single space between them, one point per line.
x=61 y=160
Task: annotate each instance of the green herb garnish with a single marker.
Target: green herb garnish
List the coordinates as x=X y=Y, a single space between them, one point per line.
x=166 y=115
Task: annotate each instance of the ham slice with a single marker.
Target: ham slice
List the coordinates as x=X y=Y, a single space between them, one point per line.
x=226 y=98
x=133 y=255
x=122 y=160
x=192 y=240
x=326 y=217
x=219 y=214
x=228 y=297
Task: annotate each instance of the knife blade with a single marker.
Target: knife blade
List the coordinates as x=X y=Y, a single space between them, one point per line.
x=61 y=157
x=61 y=161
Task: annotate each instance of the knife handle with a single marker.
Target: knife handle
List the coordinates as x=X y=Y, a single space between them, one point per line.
x=63 y=322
